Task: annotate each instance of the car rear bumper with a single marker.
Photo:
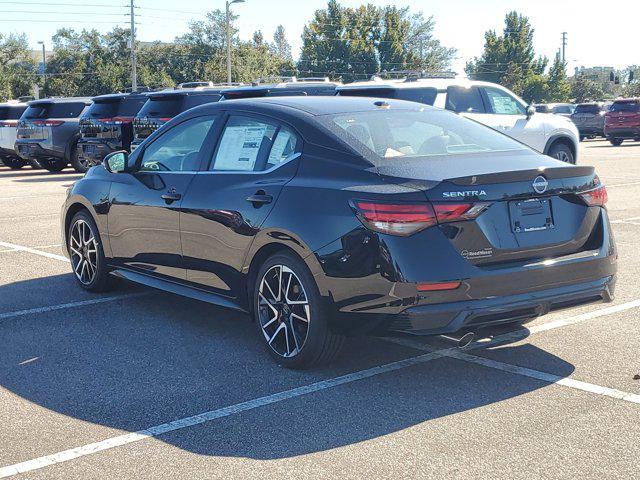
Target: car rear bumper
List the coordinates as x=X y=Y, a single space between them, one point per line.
x=30 y=150
x=95 y=151
x=469 y=315
x=626 y=132
x=588 y=130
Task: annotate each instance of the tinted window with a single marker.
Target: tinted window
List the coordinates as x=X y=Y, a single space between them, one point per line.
x=11 y=113
x=103 y=109
x=464 y=100
x=389 y=135
x=369 y=92
x=178 y=149
x=563 y=109
x=420 y=95
x=245 y=144
x=285 y=144
x=164 y=106
x=129 y=106
x=55 y=110
x=625 y=107
x=501 y=103
x=191 y=101
x=542 y=109
x=594 y=109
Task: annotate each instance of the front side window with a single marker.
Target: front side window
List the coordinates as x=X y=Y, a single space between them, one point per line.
x=250 y=145
x=391 y=135
x=178 y=149
x=464 y=100
x=501 y=103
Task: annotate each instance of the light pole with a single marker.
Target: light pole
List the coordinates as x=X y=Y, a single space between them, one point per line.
x=44 y=69
x=134 y=75
x=229 y=3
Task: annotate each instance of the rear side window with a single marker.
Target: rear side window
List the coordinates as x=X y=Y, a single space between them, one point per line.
x=55 y=110
x=625 y=107
x=11 y=113
x=501 y=103
x=369 y=92
x=593 y=109
x=244 y=145
x=464 y=100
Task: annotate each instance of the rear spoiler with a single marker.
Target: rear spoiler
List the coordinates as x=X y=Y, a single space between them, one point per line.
x=523 y=175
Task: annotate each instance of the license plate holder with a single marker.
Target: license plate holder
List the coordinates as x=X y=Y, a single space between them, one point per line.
x=531 y=215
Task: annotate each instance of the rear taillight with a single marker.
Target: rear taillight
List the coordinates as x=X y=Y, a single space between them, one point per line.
x=405 y=219
x=116 y=120
x=438 y=286
x=596 y=197
x=48 y=123
x=165 y=119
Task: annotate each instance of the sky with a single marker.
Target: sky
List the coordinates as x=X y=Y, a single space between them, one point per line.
x=597 y=36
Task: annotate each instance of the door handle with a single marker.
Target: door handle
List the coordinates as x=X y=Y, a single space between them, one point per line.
x=259 y=199
x=171 y=196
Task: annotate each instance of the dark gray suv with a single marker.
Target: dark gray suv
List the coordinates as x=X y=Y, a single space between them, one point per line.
x=48 y=132
x=589 y=118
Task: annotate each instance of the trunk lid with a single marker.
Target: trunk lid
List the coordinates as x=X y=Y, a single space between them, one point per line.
x=530 y=204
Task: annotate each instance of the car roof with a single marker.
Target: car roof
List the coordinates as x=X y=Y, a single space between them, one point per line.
x=85 y=100
x=327 y=105
x=437 y=83
x=187 y=91
x=117 y=96
x=627 y=100
x=13 y=103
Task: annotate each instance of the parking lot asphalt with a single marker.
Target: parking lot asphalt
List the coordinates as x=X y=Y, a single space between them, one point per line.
x=141 y=384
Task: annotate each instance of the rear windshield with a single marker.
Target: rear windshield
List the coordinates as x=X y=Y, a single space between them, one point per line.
x=563 y=109
x=386 y=136
x=313 y=90
x=595 y=109
x=55 y=110
x=166 y=106
x=419 y=95
x=116 y=107
x=625 y=107
x=11 y=113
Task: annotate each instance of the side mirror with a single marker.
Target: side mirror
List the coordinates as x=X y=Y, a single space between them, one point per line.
x=116 y=162
x=531 y=110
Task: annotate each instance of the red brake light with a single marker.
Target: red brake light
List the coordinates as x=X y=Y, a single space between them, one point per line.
x=406 y=219
x=595 y=197
x=116 y=120
x=396 y=219
x=165 y=119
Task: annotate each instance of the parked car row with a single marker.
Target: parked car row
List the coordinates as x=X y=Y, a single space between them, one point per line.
x=57 y=132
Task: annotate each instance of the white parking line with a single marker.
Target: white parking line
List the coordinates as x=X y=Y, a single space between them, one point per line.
x=523 y=371
x=64 y=306
x=28 y=217
x=39 y=247
x=157 y=430
x=21 y=248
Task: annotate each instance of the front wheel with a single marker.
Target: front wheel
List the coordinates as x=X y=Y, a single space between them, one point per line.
x=562 y=152
x=86 y=254
x=290 y=314
x=14 y=163
x=616 y=142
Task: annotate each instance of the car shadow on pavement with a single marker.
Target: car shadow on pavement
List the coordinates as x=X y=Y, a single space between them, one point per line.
x=137 y=362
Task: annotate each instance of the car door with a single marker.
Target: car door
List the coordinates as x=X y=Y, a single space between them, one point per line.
x=144 y=213
x=226 y=205
x=509 y=115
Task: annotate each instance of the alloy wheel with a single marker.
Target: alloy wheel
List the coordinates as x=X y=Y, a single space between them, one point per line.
x=563 y=156
x=83 y=250
x=283 y=311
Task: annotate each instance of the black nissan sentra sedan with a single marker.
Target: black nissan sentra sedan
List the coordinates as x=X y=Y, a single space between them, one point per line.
x=325 y=217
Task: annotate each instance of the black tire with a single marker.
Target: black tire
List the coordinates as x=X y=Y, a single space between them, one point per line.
x=77 y=162
x=53 y=165
x=101 y=281
x=616 y=142
x=562 y=152
x=582 y=137
x=14 y=163
x=320 y=344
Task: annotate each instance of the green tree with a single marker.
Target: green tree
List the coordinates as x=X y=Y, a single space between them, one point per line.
x=559 y=87
x=508 y=59
x=17 y=68
x=584 y=90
